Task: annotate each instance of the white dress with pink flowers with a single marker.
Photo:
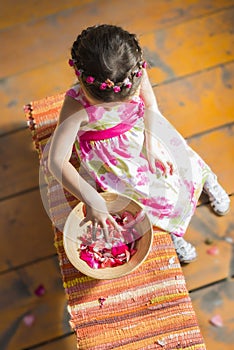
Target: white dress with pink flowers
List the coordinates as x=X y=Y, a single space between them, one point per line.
x=111 y=152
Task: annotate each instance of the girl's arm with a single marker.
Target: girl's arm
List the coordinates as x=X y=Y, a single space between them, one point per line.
x=151 y=113
x=71 y=117
x=147 y=94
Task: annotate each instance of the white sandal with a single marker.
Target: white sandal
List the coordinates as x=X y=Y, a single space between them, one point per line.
x=219 y=199
x=186 y=252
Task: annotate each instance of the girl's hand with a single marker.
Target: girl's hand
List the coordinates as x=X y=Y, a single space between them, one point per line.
x=99 y=215
x=156 y=162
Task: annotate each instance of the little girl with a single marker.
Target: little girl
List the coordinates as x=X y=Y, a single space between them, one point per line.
x=124 y=143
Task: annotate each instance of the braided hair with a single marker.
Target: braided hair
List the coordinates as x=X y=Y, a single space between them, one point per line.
x=108 y=61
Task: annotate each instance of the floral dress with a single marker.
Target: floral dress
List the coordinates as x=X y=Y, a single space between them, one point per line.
x=112 y=157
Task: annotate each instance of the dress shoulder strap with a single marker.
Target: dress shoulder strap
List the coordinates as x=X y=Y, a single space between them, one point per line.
x=77 y=93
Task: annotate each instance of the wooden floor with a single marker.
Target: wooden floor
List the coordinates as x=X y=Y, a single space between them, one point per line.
x=189 y=45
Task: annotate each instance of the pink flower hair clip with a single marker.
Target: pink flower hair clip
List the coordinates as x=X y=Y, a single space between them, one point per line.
x=78 y=72
x=139 y=73
x=109 y=83
x=106 y=84
x=103 y=86
x=71 y=62
x=90 y=79
x=116 y=89
x=127 y=83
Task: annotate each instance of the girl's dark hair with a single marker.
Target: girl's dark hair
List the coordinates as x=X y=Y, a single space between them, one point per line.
x=108 y=52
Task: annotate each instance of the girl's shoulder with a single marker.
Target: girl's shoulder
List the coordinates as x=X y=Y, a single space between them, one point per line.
x=73 y=107
x=76 y=93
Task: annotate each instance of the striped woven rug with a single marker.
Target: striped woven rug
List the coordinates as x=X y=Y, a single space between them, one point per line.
x=147 y=309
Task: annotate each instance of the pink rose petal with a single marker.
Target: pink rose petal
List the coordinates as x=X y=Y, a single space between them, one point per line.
x=101 y=301
x=106 y=263
x=40 y=290
x=128 y=236
x=128 y=255
x=127 y=217
x=213 y=250
x=119 y=249
x=216 y=321
x=29 y=320
x=99 y=252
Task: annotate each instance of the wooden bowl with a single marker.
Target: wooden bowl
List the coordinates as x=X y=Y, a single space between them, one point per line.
x=116 y=204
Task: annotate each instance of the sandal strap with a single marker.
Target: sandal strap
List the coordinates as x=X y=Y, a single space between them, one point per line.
x=186 y=251
x=218 y=197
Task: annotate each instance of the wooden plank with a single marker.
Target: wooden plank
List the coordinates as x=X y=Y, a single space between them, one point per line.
x=19 y=163
x=205 y=225
x=66 y=343
x=216 y=300
x=217 y=149
x=38 y=83
x=200 y=102
x=18 y=286
x=212 y=227
x=162 y=14
x=31 y=10
x=190 y=46
x=171 y=43
x=18 y=299
x=26 y=232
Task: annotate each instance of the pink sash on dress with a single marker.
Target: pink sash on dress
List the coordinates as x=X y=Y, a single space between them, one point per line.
x=97 y=135
x=85 y=137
